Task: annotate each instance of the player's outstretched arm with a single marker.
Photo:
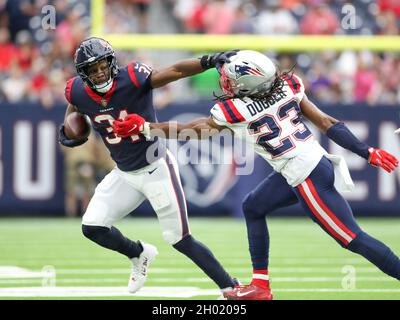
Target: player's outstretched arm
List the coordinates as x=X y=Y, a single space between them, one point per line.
x=338 y=132
x=62 y=137
x=320 y=119
x=202 y=128
x=189 y=67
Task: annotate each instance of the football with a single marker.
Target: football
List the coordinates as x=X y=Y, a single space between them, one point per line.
x=77 y=126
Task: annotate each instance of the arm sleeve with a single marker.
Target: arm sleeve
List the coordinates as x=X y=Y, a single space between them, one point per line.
x=340 y=134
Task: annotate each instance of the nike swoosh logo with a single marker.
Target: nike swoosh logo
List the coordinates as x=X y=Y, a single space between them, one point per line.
x=150 y=172
x=133 y=128
x=244 y=293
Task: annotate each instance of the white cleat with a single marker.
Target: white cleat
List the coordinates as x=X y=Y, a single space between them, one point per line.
x=140 y=266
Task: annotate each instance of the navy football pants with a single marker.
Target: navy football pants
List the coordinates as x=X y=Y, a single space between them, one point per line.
x=323 y=203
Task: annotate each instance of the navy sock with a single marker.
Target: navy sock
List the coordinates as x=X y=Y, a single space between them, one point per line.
x=377 y=253
x=258 y=237
x=205 y=260
x=113 y=239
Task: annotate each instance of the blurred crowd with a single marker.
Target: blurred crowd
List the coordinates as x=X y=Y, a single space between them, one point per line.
x=36 y=52
x=38 y=39
x=36 y=61
x=279 y=17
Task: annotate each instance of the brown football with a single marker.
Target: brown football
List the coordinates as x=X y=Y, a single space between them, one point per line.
x=77 y=126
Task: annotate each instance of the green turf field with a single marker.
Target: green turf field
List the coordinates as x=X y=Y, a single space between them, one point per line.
x=305 y=263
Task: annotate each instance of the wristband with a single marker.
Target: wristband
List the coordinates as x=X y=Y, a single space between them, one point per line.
x=205 y=62
x=146 y=130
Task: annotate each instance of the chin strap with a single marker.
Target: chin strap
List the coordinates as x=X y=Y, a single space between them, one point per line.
x=104 y=88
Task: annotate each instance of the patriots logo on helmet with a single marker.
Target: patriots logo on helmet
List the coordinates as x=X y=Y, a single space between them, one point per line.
x=242 y=70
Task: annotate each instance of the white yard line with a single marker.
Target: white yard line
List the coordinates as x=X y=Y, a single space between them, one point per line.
x=175 y=260
x=322 y=290
x=16 y=272
x=166 y=292
x=191 y=269
x=193 y=280
x=7 y=272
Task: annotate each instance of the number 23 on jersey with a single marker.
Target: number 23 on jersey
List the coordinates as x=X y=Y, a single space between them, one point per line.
x=274 y=129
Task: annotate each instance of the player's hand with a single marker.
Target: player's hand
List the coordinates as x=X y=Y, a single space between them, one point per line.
x=383 y=159
x=132 y=124
x=217 y=59
x=65 y=141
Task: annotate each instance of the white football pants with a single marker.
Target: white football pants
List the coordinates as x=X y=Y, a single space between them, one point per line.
x=121 y=192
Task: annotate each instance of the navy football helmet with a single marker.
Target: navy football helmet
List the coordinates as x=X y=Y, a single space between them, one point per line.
x=91 y=51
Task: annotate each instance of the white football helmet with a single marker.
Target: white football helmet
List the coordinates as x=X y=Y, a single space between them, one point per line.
x=248 y=73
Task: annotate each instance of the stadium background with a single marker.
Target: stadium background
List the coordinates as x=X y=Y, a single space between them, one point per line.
x=347 y=54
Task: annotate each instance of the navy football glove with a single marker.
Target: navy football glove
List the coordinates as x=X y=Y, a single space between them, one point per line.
x=70 y=143
x=217 y=59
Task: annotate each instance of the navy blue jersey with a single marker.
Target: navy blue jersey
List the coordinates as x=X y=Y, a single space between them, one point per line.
x=131 y=93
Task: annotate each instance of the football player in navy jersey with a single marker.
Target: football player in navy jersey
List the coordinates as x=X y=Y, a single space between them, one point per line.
x=145 y=169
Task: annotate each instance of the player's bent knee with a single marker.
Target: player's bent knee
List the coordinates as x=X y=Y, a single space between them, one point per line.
x=94 y=233
x=172 y=237
x=183 y=244
x=249 y=208
x=358 y=240
x=358 y=237
x=98 y=214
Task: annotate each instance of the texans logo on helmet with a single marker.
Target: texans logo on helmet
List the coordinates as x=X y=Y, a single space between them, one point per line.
x=104 y=43
x=245 y=70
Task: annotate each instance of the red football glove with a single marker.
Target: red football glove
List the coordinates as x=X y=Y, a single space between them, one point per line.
x=133 y=124
x=383 y=159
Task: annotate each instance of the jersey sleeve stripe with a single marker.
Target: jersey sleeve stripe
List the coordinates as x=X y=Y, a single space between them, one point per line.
x=68 y=89
x=293 y=83
x=132 y=74
x=230 y=112
x=226 y=113
x=296 y=80
x=235 y=111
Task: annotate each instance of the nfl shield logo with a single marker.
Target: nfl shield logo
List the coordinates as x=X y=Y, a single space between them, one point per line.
x=103 y=103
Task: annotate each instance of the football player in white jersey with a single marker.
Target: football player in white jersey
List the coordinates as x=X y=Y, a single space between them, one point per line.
x=265 y=107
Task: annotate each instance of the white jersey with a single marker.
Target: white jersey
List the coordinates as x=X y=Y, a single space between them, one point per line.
x=275 y=129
